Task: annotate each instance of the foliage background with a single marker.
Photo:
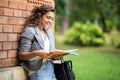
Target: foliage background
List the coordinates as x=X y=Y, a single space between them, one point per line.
x=102 y=13
x=93 y=62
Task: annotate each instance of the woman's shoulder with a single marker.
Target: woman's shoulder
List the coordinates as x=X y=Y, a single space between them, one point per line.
x=28 y=32
x=29 y=29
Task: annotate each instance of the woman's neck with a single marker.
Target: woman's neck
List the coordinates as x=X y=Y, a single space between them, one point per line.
x=41 y=27
x=42 y=30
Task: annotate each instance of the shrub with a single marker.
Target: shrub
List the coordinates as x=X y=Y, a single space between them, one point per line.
x=115 y=41
x=84 y=34
x=118 y=46
x=110 y=25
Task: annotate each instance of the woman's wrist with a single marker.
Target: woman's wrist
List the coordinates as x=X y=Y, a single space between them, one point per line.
x=41 y=53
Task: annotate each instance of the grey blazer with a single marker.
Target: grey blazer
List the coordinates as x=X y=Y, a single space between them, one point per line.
x=31 y=39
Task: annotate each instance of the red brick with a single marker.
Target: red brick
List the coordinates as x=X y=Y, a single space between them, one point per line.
x=8 y=12
x=1 y=11
x=3 y=20
x=1 y=27
x=21 y=21
x=15 y=45
x=14 y=0
x=13 y=4
x=29 y=7
x=7 y=28
x=3 y=37
x=18 y=13
x=17 y=29
x=26 y=13
x=12 y=53
x=0 y=46
x=12 y=37
x=6 y=62
x=22 y=6
x=7 y=45
x=4 y=3
x=23 y=0
x=18 y=37
x=13 y=21
x=3 y=54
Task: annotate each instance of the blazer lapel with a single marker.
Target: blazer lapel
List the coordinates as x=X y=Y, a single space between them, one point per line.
x=39 y=37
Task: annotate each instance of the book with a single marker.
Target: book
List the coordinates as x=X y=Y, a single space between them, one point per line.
x=61 y=52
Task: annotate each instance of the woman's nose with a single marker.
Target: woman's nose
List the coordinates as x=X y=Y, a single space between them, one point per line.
x=50 y=21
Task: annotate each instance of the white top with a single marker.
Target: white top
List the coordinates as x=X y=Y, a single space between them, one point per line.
x=46 y=43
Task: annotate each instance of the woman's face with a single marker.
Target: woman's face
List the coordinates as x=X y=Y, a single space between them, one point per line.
x=47 y=20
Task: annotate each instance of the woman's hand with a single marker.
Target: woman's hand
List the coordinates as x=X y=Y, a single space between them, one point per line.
x=49 y=24
x=41 y=53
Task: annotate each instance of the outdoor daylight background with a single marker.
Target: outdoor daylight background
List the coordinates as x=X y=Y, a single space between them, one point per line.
x=93 y=27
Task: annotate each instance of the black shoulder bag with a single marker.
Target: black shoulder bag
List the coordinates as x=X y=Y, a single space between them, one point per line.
x=63 y=71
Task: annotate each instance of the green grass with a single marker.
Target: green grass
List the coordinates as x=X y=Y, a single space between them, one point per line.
x=93 y=63
x=96 y=66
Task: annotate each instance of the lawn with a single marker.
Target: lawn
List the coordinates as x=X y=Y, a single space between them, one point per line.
x=102 y=63
x=96 y=66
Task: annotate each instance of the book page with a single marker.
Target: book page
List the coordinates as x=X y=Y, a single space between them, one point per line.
x=61 y=52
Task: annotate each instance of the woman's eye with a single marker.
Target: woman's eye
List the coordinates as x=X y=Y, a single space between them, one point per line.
x=48 y=17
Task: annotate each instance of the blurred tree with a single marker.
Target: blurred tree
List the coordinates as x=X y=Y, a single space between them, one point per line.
x=118 y=12
x=107 y=12
x=97 y=11
x=62 y=10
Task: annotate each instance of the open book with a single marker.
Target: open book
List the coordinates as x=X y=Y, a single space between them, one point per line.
x=61 y=52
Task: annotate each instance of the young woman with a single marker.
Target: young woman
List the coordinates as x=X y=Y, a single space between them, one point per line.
x=37 y=41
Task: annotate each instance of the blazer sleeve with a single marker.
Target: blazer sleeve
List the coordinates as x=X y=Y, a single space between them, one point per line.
x=26 y=39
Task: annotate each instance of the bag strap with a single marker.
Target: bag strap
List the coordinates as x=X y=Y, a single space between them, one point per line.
x=62 y=60
x=68 y=61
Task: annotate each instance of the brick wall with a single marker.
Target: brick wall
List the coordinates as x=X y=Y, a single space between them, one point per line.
x=12 y=16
